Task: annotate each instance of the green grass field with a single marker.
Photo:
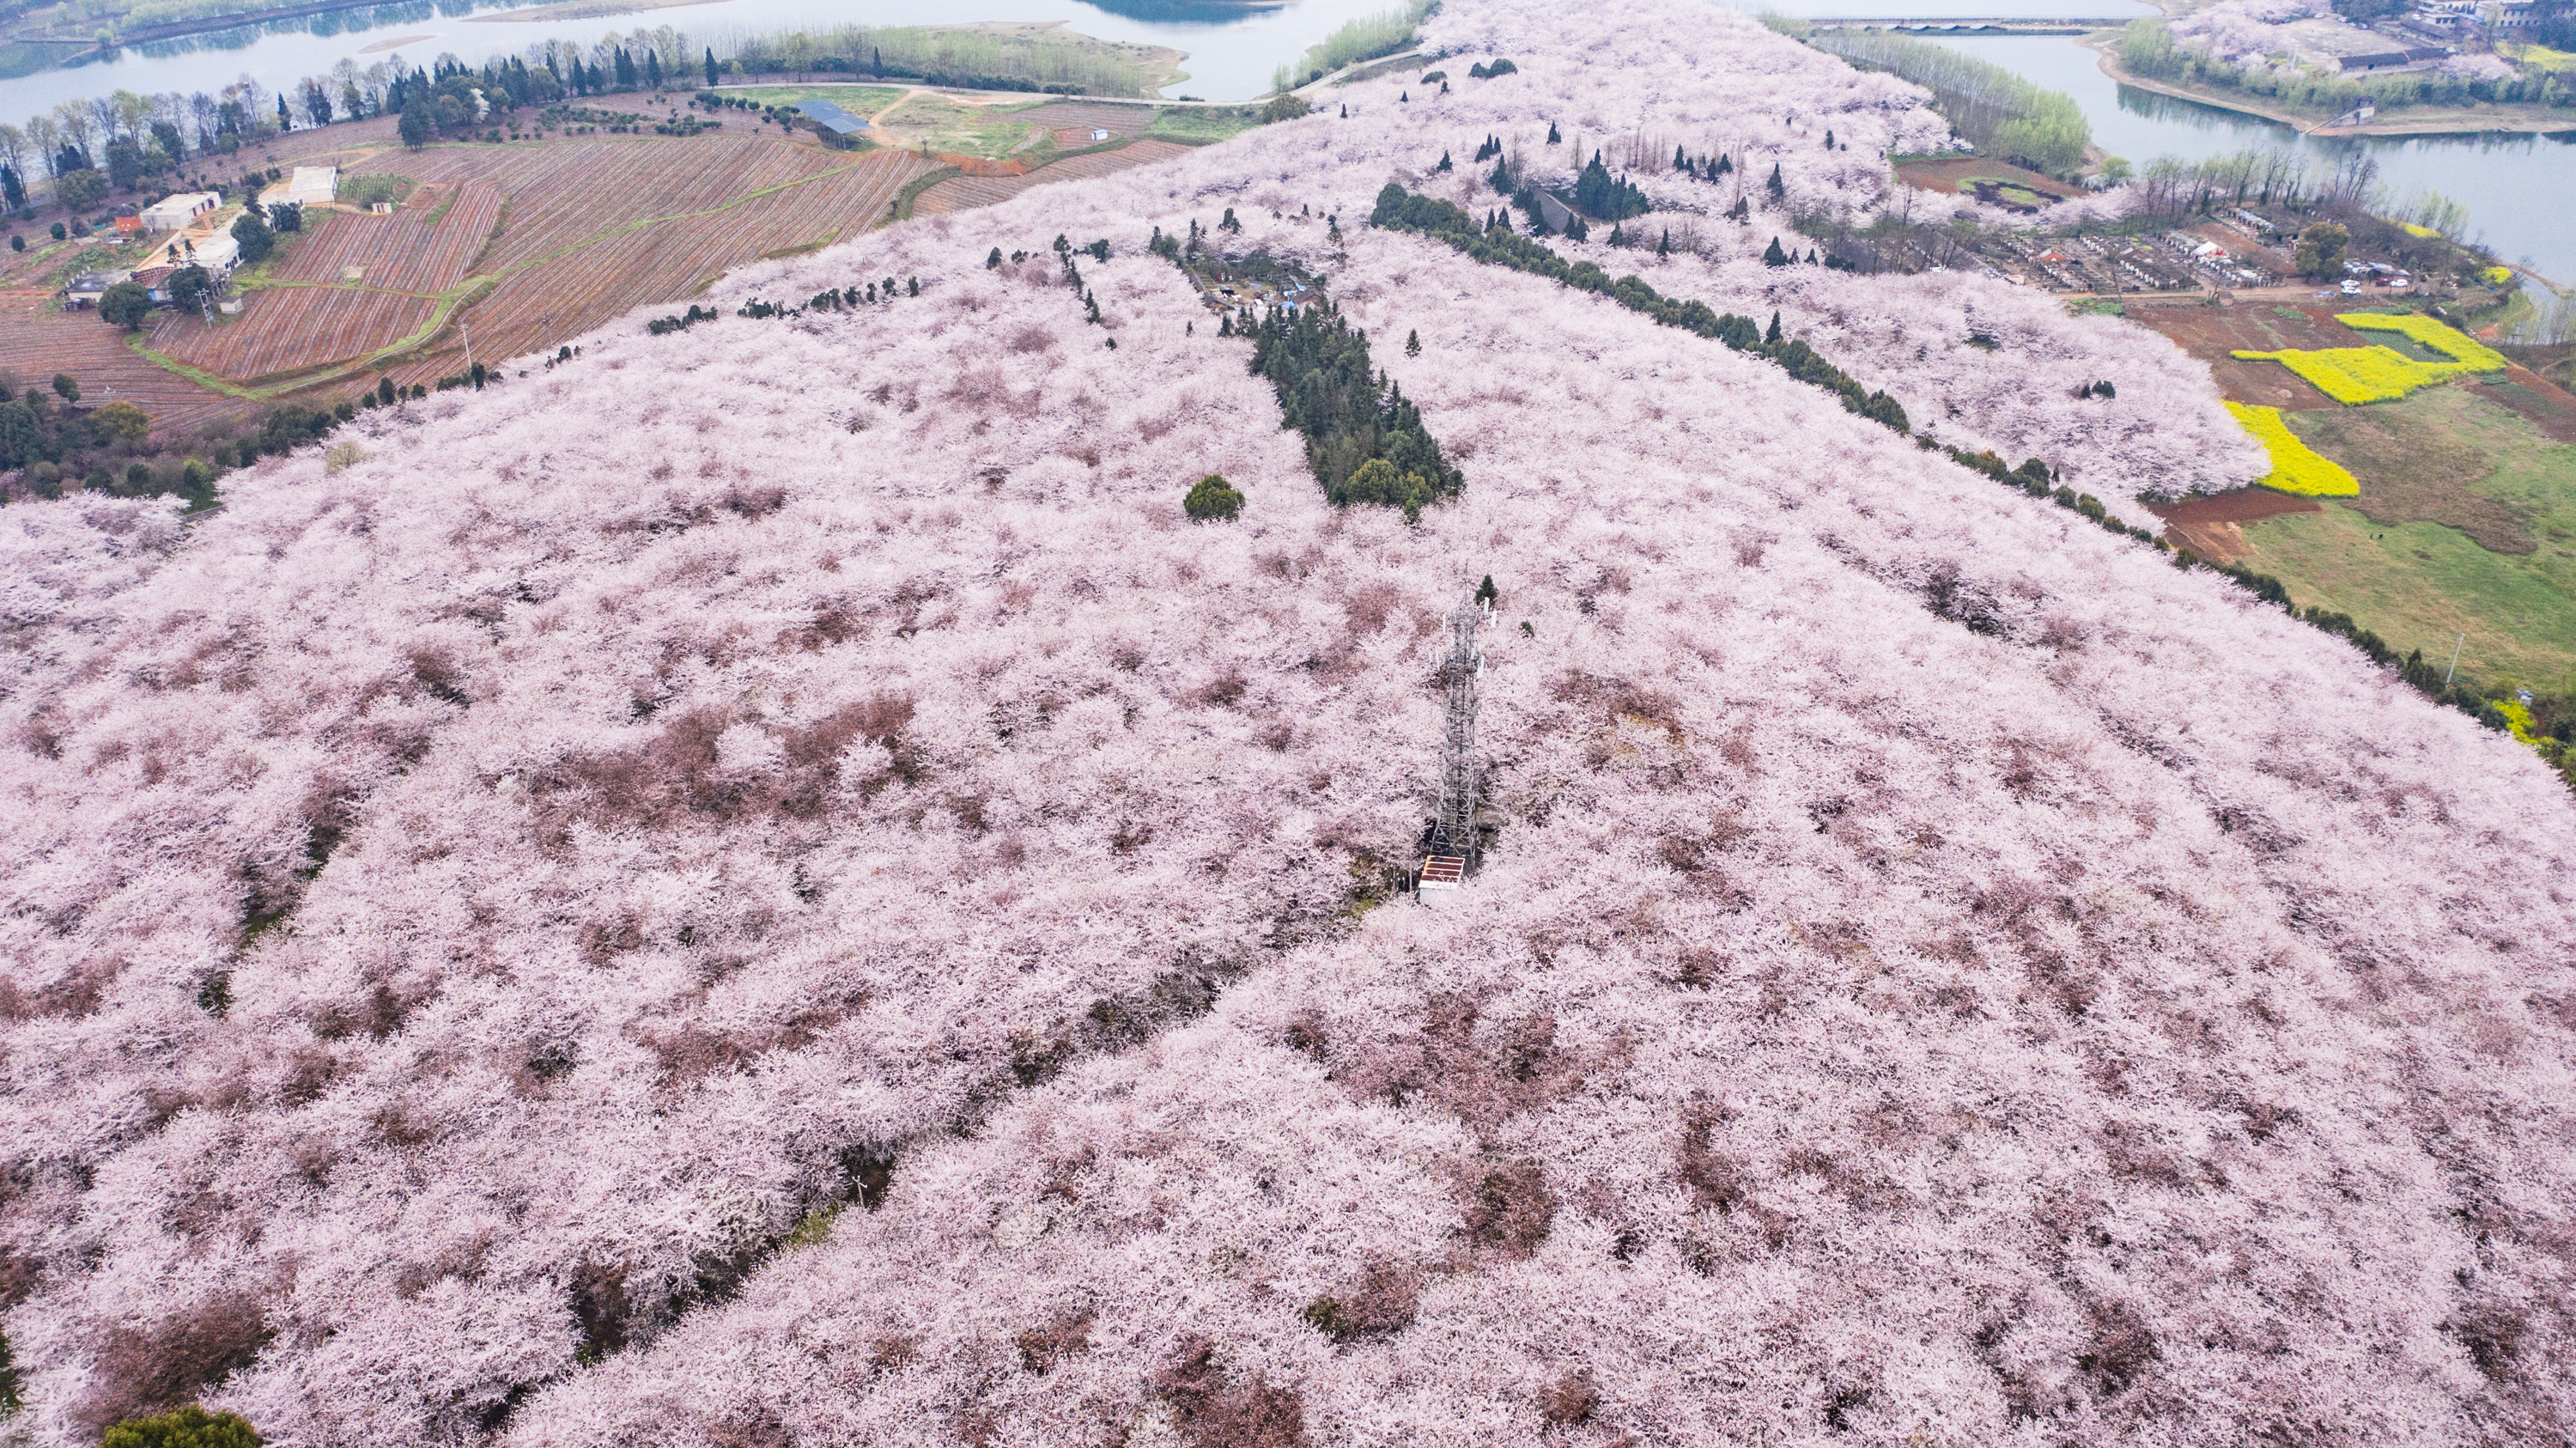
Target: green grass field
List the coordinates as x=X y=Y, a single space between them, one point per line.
x=2466 y=525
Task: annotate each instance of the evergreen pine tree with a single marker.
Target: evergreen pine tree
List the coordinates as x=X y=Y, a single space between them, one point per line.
x=1829 y=140
x=1486 y=592
x=1444 y=162
x=1617 y=237
x=1778 y=188
x=1772 y=255
x=1771 y=337
x=1680 y=161
x=711 y=67
x=653 y=69
x=1413 y=344
x=1811 y=256
x=1552 y=136
x=1724 y=165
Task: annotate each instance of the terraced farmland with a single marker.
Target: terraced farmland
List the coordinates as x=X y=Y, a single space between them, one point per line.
x=964 y=193
x=292 y=329
x=568 y=192
x=37 y=341
x=578 y=288
x=424 y=247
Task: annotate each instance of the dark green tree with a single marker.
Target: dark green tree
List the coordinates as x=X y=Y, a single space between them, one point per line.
x=1413 y=344
x=187 y=1427
x=1485 y=591
x=1364 y=442
x=711 y=67
x=189 y=287
x=125 y=305
x=416 y=124
x=252 y=234
x=1772 y=255
x=1778 y=188
x=1598 y=193
x=1771 y=337
x=65 y=388
x=80 y=189
x=1212 y=499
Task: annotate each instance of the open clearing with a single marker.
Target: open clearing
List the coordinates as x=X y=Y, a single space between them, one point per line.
x=2466 y=519
x=2466 y=523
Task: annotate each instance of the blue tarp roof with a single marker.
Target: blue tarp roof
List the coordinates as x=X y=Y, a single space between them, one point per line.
x=832 y=118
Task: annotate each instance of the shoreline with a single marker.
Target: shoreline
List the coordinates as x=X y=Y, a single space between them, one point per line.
x=2109 y=65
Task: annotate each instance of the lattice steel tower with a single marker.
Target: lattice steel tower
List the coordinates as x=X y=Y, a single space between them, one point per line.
x=1454 y=833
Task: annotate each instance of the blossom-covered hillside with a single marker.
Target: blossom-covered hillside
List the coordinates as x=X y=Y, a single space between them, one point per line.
x=766 y=886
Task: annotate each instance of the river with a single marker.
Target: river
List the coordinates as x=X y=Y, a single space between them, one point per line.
x=1232 y=47
x=2519 y=188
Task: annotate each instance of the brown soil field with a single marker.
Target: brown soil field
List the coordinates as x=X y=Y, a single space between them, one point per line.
x=673 y=260
x=1945 y=175
x=579 y=231
x=425 y=246
x=2212 y=333
x=2548 y=405
x=36 y=341
x=2209 y=527
x=962 y=193
x=285 y=330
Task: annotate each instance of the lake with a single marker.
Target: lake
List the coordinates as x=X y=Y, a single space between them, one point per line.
x=1233 y=48
x=2520 y=188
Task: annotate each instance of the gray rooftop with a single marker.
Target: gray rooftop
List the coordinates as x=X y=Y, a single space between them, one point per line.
x=832 y=118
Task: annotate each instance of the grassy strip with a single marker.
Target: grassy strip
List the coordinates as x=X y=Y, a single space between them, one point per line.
x=2296 y=468
x=903 y=200
x=1400 y=210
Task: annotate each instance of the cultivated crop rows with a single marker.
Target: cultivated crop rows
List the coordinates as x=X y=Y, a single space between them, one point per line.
x=534 y=309
x=36 y=342
x=560 y=194
x=407 y=251
x=964 y=193
x=289 y=329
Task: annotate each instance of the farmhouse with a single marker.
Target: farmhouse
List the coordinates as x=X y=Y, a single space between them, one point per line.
x=216 y=251
x=309 y=186
x=85 y=289
x=173 y=213
x=838 y=128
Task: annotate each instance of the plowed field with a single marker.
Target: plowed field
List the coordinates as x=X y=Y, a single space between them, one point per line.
x=290 y=329
x=36 y=342
x=578 y=286
x=569 y=191
x=424 y=247
x=964 y=193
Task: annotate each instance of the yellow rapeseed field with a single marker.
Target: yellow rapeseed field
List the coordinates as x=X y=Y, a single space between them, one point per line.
x=2355 y=375
x=2296 y=468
